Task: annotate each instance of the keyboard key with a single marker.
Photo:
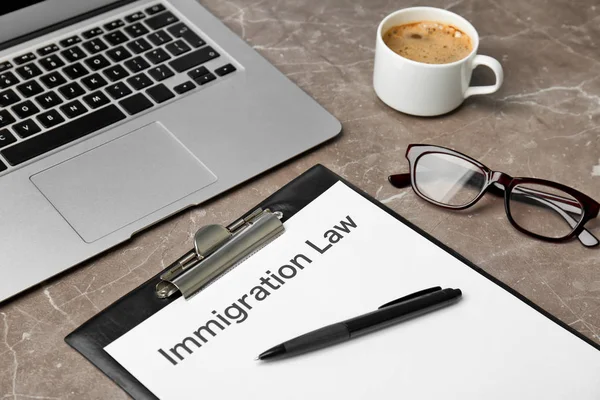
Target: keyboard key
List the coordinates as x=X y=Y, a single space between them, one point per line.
x=160 y=93
x=6 y=138
x=74 y=54
x=118 y=54
x=204 y=79
x=225 y=69
x=157 y=56
x=182 y=31
x=135 y=17
x=7 y=79
x=198 y=72
x=161 y=20
x=155 y=9
x=193 y=59
x=94 y=82
x=178 y=30
x=25 y=58
x=29 y=71
x=5 y=65
x=30 y=88
x=160 y=73
x=62 y=135
x=193 y=39
x=139 y=46
x=50 y=119
x=71 y=90
x=184 y=87
x=111 y=26
x=48 y=100
x=8 y=97
x=118 y=90
x=140 y=81
x=178 y=47
x=6 y=118
x=73 y=109
x=70 y=41
x=75 y=71
x=2 y=166
x=25 y=109
x=44 y=51
x=51 y=62
x=95 y=46
x=96 y=99
x=135 y=104
x=26 y=128
x=53 y=79
x=137 y=64
x=136 y=30
x=97 y=62
x=116 y=38
x=115 y=73
x=159 y=38
x=92 y=33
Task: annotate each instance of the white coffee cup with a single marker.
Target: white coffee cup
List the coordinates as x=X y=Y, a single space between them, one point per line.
x=428 y=89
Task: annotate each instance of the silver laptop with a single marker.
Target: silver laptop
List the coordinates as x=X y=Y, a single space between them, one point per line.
x=116 y=114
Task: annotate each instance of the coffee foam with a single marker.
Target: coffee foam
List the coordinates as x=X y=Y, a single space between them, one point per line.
x=429 y=42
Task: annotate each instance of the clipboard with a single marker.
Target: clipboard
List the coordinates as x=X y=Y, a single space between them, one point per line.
x=140 y=304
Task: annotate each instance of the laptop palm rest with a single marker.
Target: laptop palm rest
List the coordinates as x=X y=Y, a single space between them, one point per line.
x=122 y=181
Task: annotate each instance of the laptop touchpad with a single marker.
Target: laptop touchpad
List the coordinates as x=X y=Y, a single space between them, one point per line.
x=122 y=181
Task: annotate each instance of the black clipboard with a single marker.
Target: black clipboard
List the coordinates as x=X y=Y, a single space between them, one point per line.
x=141 y=303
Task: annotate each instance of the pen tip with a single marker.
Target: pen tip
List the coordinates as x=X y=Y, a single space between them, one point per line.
x=257 y=359
x=276 y=351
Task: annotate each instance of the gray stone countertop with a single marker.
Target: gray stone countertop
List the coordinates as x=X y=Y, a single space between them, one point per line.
x=542 y=123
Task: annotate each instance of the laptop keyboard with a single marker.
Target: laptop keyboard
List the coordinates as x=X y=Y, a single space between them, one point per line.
x=104 y=74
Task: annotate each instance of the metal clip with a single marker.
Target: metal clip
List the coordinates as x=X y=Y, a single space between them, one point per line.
x=217 y=249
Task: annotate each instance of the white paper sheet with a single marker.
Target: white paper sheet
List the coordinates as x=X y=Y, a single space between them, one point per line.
x=489 y=345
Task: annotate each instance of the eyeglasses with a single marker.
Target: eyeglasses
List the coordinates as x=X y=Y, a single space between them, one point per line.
x=539 y=208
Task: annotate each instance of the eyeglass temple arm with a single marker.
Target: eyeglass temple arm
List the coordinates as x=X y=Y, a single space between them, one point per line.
x=557 y=203
x=400 y=180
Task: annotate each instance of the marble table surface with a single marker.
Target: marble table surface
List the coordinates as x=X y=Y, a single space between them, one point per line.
x=542 y=123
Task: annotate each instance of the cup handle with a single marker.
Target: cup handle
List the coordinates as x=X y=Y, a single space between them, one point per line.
x=492 y=64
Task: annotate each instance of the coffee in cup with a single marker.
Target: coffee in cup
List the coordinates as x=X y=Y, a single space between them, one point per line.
x=435 y=84
x=429 y=42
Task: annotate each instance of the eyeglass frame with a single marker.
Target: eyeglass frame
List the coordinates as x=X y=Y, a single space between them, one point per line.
x=590 y=207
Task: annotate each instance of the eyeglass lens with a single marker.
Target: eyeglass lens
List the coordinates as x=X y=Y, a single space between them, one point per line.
x=544 y=210
x=447 y=179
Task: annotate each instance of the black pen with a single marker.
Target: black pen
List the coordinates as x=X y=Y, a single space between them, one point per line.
x=388 y=314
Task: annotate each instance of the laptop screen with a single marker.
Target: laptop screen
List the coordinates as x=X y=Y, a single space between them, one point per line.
x=21 y=17
x=10 y=6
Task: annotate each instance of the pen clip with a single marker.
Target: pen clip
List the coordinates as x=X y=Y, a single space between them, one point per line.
x=412 y=296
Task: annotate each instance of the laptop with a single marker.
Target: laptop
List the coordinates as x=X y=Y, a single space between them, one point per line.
x=115 y=115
